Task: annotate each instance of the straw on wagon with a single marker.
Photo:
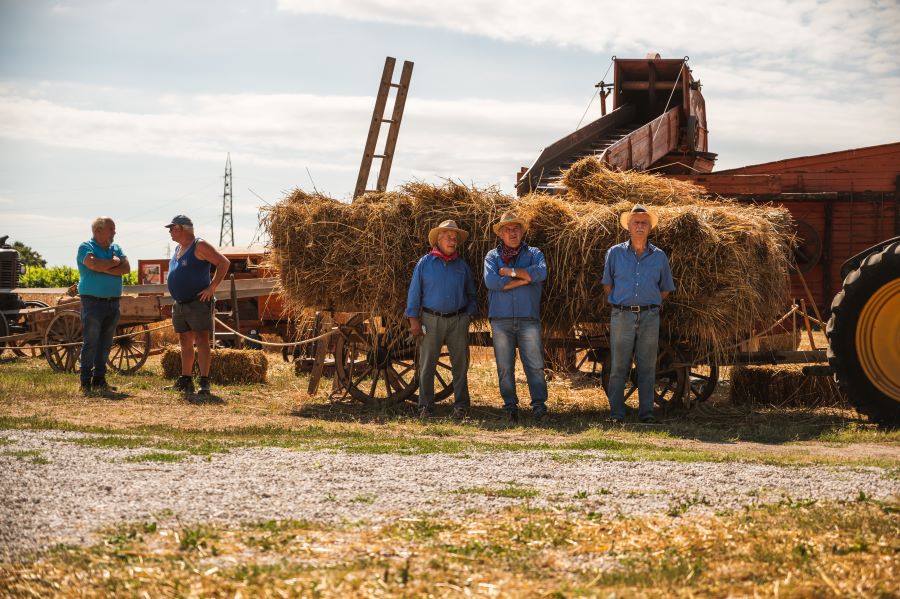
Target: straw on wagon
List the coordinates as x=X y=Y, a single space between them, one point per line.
x=729 y=260
x=782 y=386
x=227 y=366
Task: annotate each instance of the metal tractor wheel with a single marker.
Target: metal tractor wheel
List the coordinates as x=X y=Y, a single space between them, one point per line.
x=65 y=328
x=128 y=354
x=671 y=379
x=377 y=363
x=864 y=336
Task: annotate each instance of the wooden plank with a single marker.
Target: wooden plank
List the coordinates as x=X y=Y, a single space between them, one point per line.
x=394 y=129
x=365 y=166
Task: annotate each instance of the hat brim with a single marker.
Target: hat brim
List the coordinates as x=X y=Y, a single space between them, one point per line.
x=625 y=217
x=515 y=221
x=433 y=234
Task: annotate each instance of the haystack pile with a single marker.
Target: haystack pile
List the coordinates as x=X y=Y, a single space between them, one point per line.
x=784 y=385
x=729 y=260
x=228 y=366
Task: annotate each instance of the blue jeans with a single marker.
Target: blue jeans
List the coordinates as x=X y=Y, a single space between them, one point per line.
x=524 y=333
x=99 y=318
x=633 y=333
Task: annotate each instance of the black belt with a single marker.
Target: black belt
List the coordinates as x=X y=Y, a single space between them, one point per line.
x=634 y=308
x=190 y=301
x=444 y=314
x=100 y=299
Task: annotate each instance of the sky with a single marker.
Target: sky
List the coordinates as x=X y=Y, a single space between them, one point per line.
x=130 y=108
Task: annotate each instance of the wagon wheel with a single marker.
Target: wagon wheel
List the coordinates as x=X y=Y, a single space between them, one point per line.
x=670 y=379
x=22 y=348
x=64 y=328
x=128 y=354
x=382 y=366
x=703 y=376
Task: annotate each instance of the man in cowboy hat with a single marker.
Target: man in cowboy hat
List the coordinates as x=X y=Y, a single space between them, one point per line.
x=440 y=304
x=514 y=274
x=636 y=279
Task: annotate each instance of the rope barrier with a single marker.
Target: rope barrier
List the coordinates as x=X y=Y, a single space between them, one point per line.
x=274 y=344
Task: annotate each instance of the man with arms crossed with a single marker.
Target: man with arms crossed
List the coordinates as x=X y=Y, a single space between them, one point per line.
x=636 y=279
x=193 y=290
x=101 y=265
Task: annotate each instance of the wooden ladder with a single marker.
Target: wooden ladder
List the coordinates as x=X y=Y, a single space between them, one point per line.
x=378 y=119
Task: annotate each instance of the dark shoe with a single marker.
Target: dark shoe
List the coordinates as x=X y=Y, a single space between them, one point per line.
x=425 y=413
x=539 y=413
x=459 y=414
x=184 y=384
x=648 y=420
x=616 y=420
x=204 y=386
x=99 y=385
x=512 y=417
x=86 y=389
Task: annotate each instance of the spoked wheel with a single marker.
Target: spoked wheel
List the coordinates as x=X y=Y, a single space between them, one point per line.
x=703 y=376
x=376 y=363
x=128 y=354
x=23 y=348
x=65 y=328
x=670 y=378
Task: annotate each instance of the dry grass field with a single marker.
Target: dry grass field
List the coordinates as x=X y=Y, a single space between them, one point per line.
x=787 y=548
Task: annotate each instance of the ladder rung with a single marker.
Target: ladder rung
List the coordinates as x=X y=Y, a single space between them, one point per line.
x=397 y=85
x=387 y=120
x=380 y=156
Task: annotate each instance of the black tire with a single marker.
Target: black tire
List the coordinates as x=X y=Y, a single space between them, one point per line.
x=862 y=336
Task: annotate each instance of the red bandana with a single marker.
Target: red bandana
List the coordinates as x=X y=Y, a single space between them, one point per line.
x=508 y=254
x=436 y=252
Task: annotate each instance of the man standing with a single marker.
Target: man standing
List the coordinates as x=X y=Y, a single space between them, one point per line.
x=636 y=279
x=440 y=304
x=101 y=265
x=514 y=274
x=193 y=290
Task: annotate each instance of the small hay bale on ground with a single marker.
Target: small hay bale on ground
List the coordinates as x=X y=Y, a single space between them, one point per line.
x=228 y=365
x=782 y=386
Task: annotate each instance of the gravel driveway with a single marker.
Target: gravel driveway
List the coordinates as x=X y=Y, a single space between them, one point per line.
x=83 y=488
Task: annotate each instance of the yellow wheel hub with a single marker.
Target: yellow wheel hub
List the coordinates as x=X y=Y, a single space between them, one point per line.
x=878 y=339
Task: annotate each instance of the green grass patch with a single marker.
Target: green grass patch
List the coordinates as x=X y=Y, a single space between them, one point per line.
x=510 y=491
x=157 y=456
x=33 y=456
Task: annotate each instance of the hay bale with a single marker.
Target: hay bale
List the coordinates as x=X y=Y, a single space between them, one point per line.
x=228 y=365
x=729 y=261
x=782 y=386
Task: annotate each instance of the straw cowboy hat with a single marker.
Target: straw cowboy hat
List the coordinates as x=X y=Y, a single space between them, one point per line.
x=625 y=217
x=510 y=217
x=447 y=225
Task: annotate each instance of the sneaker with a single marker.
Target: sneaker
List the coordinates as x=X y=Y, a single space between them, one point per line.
x=512 y=417
x=539 y=413
x=183 y=383
x=204 y=386
x=99 y=385
x=459 y=414
x=425 y=412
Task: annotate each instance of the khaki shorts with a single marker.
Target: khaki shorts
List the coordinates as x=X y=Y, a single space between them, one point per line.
x=192 y=316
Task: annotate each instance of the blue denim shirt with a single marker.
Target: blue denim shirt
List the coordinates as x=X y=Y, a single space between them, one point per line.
x=91 y=282
x=441 y=286
x=637 y=281
x=521 y=302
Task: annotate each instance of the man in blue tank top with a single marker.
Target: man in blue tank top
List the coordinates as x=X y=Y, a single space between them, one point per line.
x=193 y=289
x=101 y=265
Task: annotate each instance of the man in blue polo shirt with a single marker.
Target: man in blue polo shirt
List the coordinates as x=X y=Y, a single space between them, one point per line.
x=101 y=265
x=636 y=279
x=514 y=274
x=440 y=304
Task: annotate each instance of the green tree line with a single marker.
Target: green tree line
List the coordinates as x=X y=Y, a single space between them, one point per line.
x=59 y=276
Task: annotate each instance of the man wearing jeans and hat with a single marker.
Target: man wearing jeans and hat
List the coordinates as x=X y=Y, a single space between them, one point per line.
x=101 y=265
x=193 y=290
x=440 y=304
x=636 y=279
x=514 y=274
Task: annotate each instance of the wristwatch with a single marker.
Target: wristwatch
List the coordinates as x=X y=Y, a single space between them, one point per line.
x=512 y=272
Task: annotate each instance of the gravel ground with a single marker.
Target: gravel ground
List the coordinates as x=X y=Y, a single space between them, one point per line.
x=83 y=488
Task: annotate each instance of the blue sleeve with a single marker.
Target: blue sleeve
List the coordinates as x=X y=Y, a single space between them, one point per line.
x=117 y=251
x=538 y=270
x=414 y=296
x=83 y=250
x=471 y=296
x=492 y=278
x=666 y=283
x=608 y=270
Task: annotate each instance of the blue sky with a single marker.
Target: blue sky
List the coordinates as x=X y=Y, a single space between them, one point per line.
x=129 y=108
